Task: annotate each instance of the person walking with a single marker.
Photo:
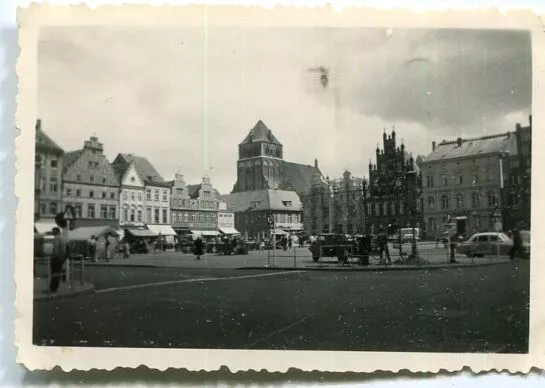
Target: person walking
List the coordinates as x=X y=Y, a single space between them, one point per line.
x=126 y=249
x=199 y=248
x=59 y=256
x=453 y=249
x=107 y=247
x=517 y=244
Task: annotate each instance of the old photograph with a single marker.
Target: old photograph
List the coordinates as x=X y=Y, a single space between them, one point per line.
x=286 y=188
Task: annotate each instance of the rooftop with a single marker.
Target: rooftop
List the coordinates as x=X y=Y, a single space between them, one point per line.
x=477 y=146
x=144 y=168
x=263 y=200
x=260 y=132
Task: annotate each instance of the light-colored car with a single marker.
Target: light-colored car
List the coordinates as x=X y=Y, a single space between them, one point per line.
x=485 y=244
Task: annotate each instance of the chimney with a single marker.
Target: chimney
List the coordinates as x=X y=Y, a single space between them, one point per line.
x=315 y=163
x=433 y=145
x=459 y=140
x=39 y=124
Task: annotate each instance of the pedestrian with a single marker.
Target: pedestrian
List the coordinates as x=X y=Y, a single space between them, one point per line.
x=92 y=248
x=107 y=247
x=452 y=249
x=383 y=247
x=517 y=244
x=436 y=240
x=315 y=250
x=199 y=248
x=59 y=256
x=164 y=242
x=126 y=249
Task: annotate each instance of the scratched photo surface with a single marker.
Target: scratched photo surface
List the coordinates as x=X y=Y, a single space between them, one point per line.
x=312 y=188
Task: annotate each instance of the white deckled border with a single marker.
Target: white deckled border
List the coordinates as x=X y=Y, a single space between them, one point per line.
x=36 y=357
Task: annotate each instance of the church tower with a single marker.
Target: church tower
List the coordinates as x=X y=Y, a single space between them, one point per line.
x=260 y=160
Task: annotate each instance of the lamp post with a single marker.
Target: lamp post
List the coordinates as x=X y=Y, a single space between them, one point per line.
x=330 y=189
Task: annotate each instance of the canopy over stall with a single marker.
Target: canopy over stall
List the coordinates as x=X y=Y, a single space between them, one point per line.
x=85 y=233
x=229 y=231
x=44 y=226
x=165 y=230
x=141 y=232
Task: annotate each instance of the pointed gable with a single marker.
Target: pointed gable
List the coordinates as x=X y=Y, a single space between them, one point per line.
x=131 y=177
x=260 y=133
x=44 y=143
x=144 y=168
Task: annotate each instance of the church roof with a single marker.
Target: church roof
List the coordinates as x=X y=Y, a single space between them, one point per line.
x=260 y=132
x=263 y=200
x=473 y=147
x=299 y=177
x=144 y=168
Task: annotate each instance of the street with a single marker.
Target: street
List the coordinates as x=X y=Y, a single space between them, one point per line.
x=478 y=309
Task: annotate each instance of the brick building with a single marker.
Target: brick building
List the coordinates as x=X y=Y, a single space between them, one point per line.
x=462 y=179
x=251 y=209
x=47 y=179
x=389 y=195
x=194 y=208
x=518 y=190
x=91 y=185
x=261 y=167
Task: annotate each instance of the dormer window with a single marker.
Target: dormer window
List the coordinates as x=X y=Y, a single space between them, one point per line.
x=287 y=203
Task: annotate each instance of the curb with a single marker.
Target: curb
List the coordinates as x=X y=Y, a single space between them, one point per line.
x=377 y=269
x=89 y=289
x=126 y=265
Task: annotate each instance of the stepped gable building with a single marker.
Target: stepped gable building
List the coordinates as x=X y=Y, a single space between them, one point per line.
x=91 y=185
x=342 y=199
x=155 y=203
x=261 y=165
x=47 y=180
x=389 y=195
x=463 y=180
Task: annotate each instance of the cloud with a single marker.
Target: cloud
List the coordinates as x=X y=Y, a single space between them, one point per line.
x=186 y=102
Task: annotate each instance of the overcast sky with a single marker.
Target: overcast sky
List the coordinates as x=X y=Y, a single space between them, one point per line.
x=186 y=97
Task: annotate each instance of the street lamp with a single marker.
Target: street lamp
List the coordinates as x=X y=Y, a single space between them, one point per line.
x=412 y=206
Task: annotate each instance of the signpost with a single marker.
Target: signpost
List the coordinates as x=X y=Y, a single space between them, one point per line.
x=272 y=228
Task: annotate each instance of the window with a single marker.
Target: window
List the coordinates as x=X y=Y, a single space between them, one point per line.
x=429 y=180
x=78 y=178
x=476 y=178
x=43 y=208
x=54 y=163
x=445 y=202
x=125 y=214
x=103 y=211
x=104 y=194
x=431 y=202
x=92 y=178
x=148 y=214
x=491 y=199
x=392 y=208
x=90 y=210
x=125 y=196
x=165 y=216
x=475 y=199
x=132 y=196
x=377 y=208
x=91 y=194
x=156 y=216
x=193 y=217
x=459 y=179
x=91 y=164
x=112 y=195
x=103 y=180
x=53 y=185
x=179 y=192
x=53 y=208
x=139 y=196
x=156 y=194
x=165 y=195
x=460 y=203
x=112 y=212
x=132 y=215
x=78 y=210
x=444 y=179
x=68 y=192
x=186 y=217
x=385 y=208
x=488 y=173
x=78 y=193
x=148 y=194
x=401 y=207
x=289 y=219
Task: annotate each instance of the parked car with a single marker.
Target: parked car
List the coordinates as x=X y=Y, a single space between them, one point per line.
x=331 y=242
x=485 y=244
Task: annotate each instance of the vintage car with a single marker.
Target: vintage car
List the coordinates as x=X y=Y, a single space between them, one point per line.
x=485 y=244
x=331 y=245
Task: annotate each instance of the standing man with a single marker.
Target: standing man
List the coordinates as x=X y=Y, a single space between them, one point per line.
x=199 y=248
x=92 y=247
x=59 y=256
x=517 y=243
x=107 y=247
x=383 y=247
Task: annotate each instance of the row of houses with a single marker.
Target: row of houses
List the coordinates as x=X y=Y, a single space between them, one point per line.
x=468 y=183
x=128 y=193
